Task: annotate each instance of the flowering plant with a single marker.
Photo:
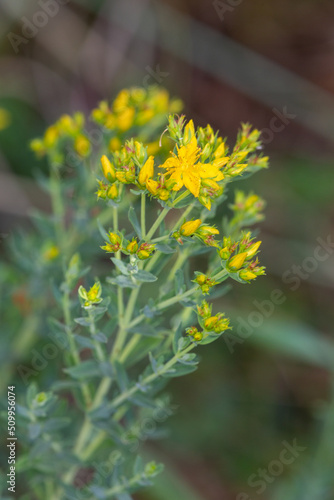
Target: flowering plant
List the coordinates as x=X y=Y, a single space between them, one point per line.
x=145 y=309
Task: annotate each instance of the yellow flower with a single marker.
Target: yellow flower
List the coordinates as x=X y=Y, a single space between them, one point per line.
x=147 y=171
x=188 y=228
x=186 y=172
x=247 y=275
x=251 y=251
x=125 y=119
x=237 y=261
x=152 y=186
x=108 y=169
x=114 y=144
x=82 y=145
x=51 y=253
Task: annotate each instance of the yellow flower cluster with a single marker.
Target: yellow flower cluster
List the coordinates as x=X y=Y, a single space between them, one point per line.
x=196 y=228
x=236 y=257
x=134 y=107
x=117 y=243
x=211 y=325
x=199 y=164
x=66 y=129
x=92 y=296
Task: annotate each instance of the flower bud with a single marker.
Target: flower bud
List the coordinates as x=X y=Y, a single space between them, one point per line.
x=112 y=192
x=140 y=151
x=108 y=169
x=146 y=172
x=207 y=230
x=204 y=310
x=224 y=253
x=201 y=279
x=247 y=275
x=82 y=145
x=164 y=194
x=189 y=228
x=192 y=330
x=198 y=336
x=211 y=322
x=237 y=261
x=114 y=144
x=114 y=238
x=132 y=247
x=50 y=137
x=152 y=186
x=252 y=250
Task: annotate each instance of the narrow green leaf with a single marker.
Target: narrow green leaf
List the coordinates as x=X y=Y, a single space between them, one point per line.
x=86 y=369
x=120 y=266
x=134 y=222
x=145 y=276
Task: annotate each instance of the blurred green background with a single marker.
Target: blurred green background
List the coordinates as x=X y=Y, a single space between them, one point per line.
x=269 y=63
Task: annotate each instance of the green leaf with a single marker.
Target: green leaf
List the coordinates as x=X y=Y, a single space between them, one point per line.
x=82 y=321
x=121 y=376
x=177 y=337
x=179 y=371
x=134 y=222
x=120 y=266
x=86 y=369
x=122 y=281
x=31 y=394
x=103 y=232
x=179 y=285
x=145 y=276
x=165 y=248
x=138 y=466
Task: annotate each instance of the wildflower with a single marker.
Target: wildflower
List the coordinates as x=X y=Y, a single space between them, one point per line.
x=82 y=145
x=51 y=253
x=92 y=296
x=146 y=172
x=204 y=282
x=189 y=228
x=112 y=192
x=125 y=119
x=114 y=245
x=145 y=251
x=102 y=190
x=186 y=172
x=152 y=186
x=132 y=247
x=114 y=144
x=50 y=137
x=247 y=275
x=252 y=250
x=108 y=169
x=194 y=333
x=237 y=261
x=204 y=310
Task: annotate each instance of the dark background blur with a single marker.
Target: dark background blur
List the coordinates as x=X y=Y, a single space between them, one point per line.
x=272 y=64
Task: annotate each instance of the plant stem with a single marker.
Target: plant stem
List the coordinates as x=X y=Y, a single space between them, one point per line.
x=150 y=378
x=157 y=223
x=143 y=215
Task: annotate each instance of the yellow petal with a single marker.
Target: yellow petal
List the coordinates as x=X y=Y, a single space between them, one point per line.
x=192 y=182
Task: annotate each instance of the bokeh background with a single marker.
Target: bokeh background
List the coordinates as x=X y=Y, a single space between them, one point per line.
x=272 y=64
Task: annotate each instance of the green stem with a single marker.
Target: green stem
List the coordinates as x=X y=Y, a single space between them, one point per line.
x=92 y=329
x=143 y=215
x=150 y=378
x=164 y=304
x=157 y=223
